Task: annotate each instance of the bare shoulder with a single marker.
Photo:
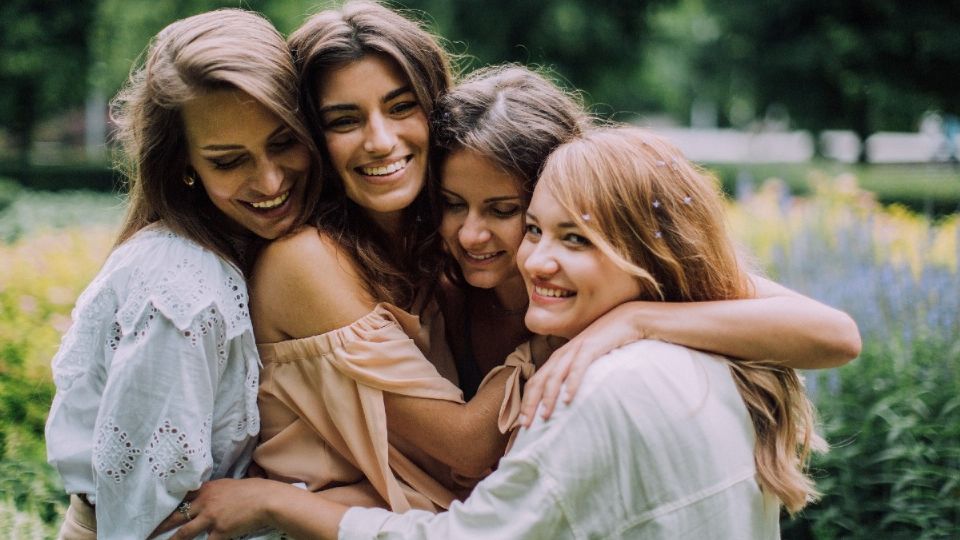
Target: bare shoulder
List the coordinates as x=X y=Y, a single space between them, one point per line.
x=305 y=284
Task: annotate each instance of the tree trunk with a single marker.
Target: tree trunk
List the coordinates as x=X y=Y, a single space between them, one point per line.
x=23 y=125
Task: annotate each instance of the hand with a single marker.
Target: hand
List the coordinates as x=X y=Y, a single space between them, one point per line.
x=225 y=508
x=568 y=364
x=176 y=518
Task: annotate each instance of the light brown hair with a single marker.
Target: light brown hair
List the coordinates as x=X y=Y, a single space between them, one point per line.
x=661 y=218
x=330 y=40
x=221 y=49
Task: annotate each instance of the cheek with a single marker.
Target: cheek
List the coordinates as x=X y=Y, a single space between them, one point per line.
x=219 y=188
x=418 y=129
x=338 y=150
x=449 y=227
x=298 y=159
x=523 y=252
x=513 y=235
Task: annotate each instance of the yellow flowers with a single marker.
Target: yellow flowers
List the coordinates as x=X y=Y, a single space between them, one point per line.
x=40 y=279
x=770 y=221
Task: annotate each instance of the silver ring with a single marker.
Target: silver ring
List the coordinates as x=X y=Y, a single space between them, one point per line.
x=184 y=509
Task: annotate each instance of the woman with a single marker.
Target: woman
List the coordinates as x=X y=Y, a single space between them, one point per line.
x=157 y=377
x=663 y=441
x=343 y=311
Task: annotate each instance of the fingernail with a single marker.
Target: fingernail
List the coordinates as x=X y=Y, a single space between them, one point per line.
x=523 y=420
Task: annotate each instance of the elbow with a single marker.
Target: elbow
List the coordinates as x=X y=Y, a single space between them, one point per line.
x=847 y=343
x=476 y=460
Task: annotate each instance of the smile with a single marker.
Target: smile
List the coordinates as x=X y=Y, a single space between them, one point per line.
x=384 y=170
x=481 y=257
x=272 y=203
x=553 y=293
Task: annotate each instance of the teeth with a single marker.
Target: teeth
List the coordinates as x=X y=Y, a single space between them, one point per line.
x=480 y=257
x=553 y=293
x=380 y=171
x=272 y=203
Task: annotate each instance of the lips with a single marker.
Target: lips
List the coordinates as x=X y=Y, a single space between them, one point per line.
x=385 y=169
x=549 y=291
x=481 y=257
x=272 y=203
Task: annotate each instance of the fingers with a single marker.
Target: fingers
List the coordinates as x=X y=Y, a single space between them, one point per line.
x=192 y=529
x=553 y=385
x=532 y=391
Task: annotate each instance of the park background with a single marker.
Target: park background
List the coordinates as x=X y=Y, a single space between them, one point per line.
x=832 y=125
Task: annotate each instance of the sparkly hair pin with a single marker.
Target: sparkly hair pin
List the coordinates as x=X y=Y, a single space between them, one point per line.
x=585 y=217
x=688 y=200
x=657 y=234
x=656 y=203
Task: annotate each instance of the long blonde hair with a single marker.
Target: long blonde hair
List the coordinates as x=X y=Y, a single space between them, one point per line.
x=660 y=218
x=328 y=41
x=226 y=48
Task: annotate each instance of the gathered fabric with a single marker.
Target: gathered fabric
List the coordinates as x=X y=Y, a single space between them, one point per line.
x=322 y=410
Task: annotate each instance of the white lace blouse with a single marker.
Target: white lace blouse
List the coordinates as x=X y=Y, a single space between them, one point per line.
x=156 y=382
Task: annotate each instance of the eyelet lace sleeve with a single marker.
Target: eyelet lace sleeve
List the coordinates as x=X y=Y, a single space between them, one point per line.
x=156 y=383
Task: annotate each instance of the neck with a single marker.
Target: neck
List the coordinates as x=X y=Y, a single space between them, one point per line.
x=390 y=223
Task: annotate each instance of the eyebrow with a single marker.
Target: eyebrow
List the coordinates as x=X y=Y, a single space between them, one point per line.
x=446 y=191
x=223 y=147
x=563 y=225
x=339 y=107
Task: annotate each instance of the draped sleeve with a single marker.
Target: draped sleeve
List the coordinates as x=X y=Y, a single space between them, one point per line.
x=322 y=408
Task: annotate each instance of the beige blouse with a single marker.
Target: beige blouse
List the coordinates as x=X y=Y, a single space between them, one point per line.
x=322 y=413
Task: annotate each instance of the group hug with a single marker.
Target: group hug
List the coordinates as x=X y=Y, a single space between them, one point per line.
x=359 y=295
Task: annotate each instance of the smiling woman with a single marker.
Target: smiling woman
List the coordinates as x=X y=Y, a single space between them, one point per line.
x=156 y=378
x=376 y=136
x=253 y=167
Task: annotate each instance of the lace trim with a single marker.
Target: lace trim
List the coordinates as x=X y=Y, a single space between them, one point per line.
x=181 y=293
x=169 y=450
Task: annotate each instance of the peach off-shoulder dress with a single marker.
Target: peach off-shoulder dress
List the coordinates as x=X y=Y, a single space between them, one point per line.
x=322 y=413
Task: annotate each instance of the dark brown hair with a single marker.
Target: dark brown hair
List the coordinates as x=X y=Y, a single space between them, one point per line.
x=334 y=38
x=512 y=116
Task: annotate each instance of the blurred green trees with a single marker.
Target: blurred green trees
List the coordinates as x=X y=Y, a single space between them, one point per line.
x=865 y=65
x=44 y=61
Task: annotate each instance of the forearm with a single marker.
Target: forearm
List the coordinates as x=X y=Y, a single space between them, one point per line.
x=463 y=436
x=303 y=514
x=793 y=330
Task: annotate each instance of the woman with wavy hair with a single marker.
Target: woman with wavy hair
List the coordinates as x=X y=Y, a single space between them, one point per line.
x=157 y=377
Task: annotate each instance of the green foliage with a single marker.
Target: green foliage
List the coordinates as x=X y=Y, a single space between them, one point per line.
x=43 y=62
x=93 y=176
x=863 y=65
x=891 y=417
x=931 y=189
x=597 y=46
x=33 y=211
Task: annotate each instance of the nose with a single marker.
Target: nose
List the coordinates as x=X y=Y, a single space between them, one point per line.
x=539 y=260
x=379 y=137
x=474 y=232
x=269 y=179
